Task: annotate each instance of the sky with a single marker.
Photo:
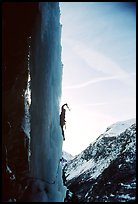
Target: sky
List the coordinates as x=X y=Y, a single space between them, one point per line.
x=99 y=68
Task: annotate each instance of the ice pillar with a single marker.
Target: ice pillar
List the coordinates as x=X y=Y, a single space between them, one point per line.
x=46 y=78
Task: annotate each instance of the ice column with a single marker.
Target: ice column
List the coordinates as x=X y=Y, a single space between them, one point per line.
x=46 y=78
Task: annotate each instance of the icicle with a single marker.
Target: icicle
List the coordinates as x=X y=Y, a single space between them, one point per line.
x=27 y=103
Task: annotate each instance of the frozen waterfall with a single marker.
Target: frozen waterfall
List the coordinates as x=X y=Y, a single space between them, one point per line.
x=46 y=78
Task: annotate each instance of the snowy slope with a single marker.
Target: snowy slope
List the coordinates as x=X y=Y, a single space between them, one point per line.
x=66 y=157
x=118 y=128
x=116 y=145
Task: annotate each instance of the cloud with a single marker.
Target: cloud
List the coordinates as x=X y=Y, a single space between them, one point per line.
x=98 y=62
x=97 y=80
x=95 y=59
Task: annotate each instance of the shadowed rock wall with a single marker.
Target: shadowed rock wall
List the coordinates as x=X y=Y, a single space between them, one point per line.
x=18 y=20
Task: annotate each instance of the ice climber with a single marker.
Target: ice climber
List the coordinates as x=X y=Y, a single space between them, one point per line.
x=62 y=118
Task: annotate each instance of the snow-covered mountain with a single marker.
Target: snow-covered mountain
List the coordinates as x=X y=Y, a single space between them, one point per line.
x=66 y=157
x=106 y=170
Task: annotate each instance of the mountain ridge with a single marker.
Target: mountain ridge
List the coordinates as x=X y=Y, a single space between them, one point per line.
x=115 y=147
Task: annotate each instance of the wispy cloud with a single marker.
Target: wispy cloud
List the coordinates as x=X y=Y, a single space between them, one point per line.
x=95 y=59
x=97 y=80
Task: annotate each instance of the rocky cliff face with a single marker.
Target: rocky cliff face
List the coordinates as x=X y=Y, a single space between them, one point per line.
x=106 y=170
x=17 y=26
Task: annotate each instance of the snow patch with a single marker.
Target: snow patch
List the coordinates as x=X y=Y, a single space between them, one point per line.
x=118 y=127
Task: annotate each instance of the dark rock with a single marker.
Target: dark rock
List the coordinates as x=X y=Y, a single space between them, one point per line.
x=17 y=25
